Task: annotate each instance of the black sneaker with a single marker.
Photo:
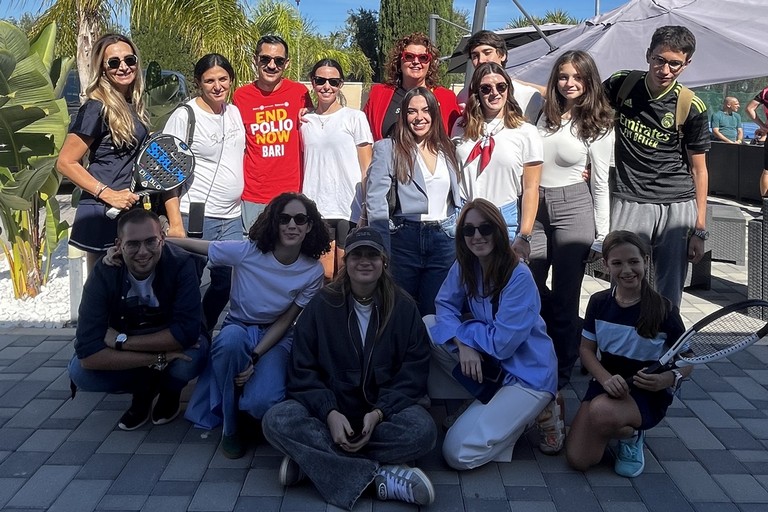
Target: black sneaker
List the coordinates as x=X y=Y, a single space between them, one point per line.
x=166 y=408
x=138 y=413
x=232 y=446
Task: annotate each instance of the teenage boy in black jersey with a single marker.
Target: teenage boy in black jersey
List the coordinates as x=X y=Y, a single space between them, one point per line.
x=659 y=185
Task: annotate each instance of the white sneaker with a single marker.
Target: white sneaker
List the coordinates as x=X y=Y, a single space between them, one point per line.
x=402 y=483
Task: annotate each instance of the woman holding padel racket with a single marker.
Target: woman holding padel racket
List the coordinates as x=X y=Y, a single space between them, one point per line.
x=631 y=325
x=111 y=127
x=209 y=203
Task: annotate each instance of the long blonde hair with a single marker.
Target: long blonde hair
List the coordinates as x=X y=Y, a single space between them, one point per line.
x=115 y=107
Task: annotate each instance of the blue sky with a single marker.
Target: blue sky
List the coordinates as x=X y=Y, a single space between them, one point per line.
x=330 y=15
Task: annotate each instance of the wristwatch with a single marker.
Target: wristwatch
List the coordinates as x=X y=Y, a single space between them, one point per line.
x=527 y=238
x=678 y=379
x=701 y=233
x=120 y=340
x=161 y=362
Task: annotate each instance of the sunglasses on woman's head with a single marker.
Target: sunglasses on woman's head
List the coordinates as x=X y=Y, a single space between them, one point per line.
x=114 y=62
x=264 y=60
x=423 y=58
x=486 y=89
x=320 y=80
x=468 y=230
x=300 y=219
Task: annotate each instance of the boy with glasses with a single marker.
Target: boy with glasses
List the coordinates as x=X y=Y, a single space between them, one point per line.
x=139 y=328
x=659 y=184
x=270 y=110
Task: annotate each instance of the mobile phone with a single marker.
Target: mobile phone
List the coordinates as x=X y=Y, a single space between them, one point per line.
x=354 y=439
x=196 y=219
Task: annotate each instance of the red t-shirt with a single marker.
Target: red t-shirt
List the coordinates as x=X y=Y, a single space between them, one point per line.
x=272 y=163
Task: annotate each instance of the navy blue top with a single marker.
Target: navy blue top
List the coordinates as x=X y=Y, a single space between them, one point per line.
x=109 y=165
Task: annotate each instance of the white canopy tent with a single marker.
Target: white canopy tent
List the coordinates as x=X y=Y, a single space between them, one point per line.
x=730 y=40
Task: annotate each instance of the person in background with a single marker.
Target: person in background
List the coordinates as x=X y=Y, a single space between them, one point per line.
x=573 y=216
x=761 y=98
x=413 y=62
x=632 y=326
x=343 y=432
x=218 y=144
x=337 y=145
x=726 y=123
x=500 y=153
x=110 y=127
x=417 y=168
x=488 y=46
x=274 y=275
x=270 y=108
x=505 y=330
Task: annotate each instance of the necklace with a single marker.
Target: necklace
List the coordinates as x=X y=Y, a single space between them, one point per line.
x=626 y=302
x=330 y=110
x=363 y=301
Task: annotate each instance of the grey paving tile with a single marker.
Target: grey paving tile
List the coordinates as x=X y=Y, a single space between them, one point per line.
x=175 y=488
x=612 y=493
x=27 y=364
x=12 y=438
x=156 y=448
x=224 y=475
x=166 y=504
x=711 y=414
x=448 y=498
x=119 y=441
x=694 y=433
x=720 y=462
x=251 y=503
x=13 y=353
x=28 y=340
x=103 y=466
x=571 y=492
x=694 y=481
x=623 y=506
x=483 y=482
x=59 y=424
x=742 y=488
x=262 y=482
x=748 y=414
x=45 y=374
x=51 y=346
x=42 y=489
x=73 y=452
x=22 y=464
x=97 y=426
x=215 y=497
x=532 y=506
x=757 y=427
x=750 y=389
x=173 y=432
x=139 y=475
x=189 y=462
x=80 y=495
x=603 y=475
x=122 y=502
x=756 y=468
x=730 y=401
x=444 y=477
x=736 y=439
x=659 y=493
x=8 y=487
x=482 y=505
x=715 y=507
x=80 y=407
x=527 y=493
x=760 y=375
x=21 y=393
x=34 y=413
x=521 y=473
x=44 y=440
x=665 y=448
x=710 y=381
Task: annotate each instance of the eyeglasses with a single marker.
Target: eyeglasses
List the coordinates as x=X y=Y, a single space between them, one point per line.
x=114 y=62
x=300 y=219
x=264 y=60
x=660 y=62
x=485 y=89
x=320 y=80
x=469 y=230
x=423 y=58
x=150 y=243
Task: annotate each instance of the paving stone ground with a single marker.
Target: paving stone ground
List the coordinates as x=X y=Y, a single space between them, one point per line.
x=709 y=454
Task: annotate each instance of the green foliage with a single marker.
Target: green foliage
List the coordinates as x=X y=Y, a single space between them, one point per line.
x=33 y=125
x=556 y=16
x=167 y=48
x=362 y=29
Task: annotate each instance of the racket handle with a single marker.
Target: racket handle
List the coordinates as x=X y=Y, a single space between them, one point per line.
x=656 y=368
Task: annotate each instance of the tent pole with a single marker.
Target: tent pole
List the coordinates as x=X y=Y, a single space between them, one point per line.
x=536 y=26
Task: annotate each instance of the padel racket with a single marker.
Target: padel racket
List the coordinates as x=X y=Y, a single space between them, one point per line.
x=716 y=336
x=164 y=163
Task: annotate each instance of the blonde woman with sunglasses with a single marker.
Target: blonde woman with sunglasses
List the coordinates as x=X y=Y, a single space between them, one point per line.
x=337 y=146
x=110 y=127
x=500 y=153
x=413 y=62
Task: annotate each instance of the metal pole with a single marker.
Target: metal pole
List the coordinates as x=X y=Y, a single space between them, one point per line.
x=552 y=47
x=433 y=28
x=597 y=7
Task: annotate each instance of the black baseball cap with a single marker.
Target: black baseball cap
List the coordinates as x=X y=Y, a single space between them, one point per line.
x=365 y=236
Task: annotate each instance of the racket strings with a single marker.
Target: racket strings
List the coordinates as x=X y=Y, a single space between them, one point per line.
x=164 y=165
x=724 y=335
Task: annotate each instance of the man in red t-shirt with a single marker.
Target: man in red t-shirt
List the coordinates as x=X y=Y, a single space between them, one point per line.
x=270 y=110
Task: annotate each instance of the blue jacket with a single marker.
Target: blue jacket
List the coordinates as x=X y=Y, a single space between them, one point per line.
x=516 y=335
x=176 y=286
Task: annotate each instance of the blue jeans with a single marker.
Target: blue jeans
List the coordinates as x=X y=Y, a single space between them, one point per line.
x=249 y=212
x=137 y=380
x=340 y=477
x=217 y=280
x=422 y=254
x=510 y=213
x=215 y=398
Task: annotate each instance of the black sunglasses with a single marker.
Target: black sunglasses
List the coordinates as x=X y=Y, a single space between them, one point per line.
x=486 y=89
x=484 y=229
x=320 y=80
x=114 y=62
x=264 y=60
x=300 y=219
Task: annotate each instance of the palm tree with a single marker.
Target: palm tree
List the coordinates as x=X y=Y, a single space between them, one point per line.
x=556 y=16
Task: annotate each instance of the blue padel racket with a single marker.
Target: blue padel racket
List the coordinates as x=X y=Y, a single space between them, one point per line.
x=717 y=335
x=164 y=163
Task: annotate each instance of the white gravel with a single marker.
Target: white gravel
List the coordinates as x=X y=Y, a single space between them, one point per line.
x=50 y=309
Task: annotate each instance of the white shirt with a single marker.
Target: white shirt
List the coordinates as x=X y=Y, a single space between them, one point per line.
x=438 y=188
x=219 y=146
x=363 y=313
x=332 y=171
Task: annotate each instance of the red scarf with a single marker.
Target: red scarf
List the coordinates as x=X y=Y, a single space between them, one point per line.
x=483 y=148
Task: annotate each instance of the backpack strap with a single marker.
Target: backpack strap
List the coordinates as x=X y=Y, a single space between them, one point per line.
x=190 y=123
x=683 y=108
x=626 y=87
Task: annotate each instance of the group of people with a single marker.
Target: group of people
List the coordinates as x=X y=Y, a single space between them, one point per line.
x=424 y=227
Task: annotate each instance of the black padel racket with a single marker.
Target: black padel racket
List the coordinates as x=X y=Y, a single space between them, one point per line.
x=164 y=163
x=718 y=335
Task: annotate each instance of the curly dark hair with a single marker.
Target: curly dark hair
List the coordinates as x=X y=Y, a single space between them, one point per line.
x=395 y=76
x=266 y=230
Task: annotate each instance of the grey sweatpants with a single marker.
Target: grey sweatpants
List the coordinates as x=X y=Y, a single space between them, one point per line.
x=667 y=228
